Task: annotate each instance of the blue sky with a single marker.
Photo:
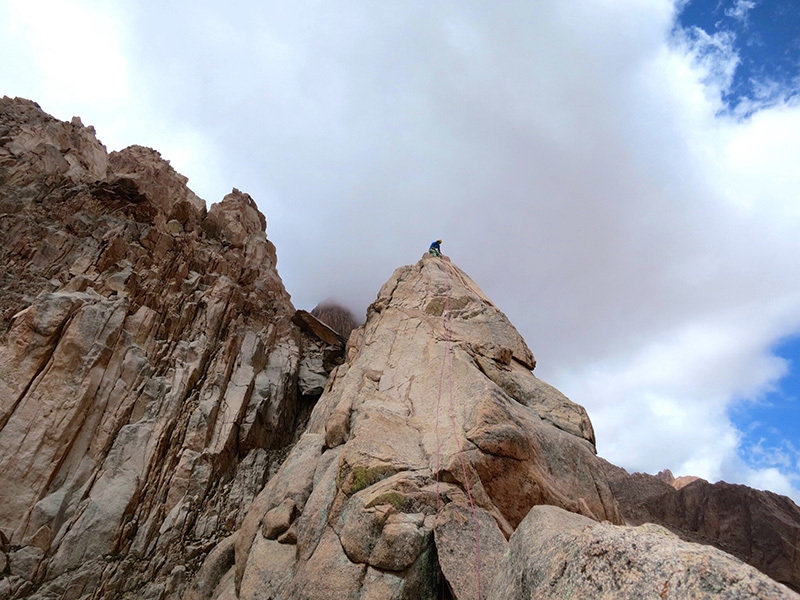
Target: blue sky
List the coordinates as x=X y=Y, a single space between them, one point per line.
x=764 y=37
x=770 y=424
x=619 y=177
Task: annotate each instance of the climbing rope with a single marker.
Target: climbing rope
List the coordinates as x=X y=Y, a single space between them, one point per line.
x=447 y=367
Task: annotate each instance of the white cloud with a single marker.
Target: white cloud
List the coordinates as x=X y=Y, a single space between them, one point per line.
x=714 y=56
x=70 y=50
x=759 y=156
x=667 y=403
x=573 y=156
x=740 y=10
x=741 y=236
x=780 y=479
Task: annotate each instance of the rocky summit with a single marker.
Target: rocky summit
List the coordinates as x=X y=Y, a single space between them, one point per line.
x=172 y=428
x=434 y=427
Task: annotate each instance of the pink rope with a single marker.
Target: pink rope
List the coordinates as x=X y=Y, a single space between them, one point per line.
x=438 y=406
x=447 y=364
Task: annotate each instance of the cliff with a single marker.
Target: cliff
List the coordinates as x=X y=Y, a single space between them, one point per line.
x=151 y=376
x=172 y=428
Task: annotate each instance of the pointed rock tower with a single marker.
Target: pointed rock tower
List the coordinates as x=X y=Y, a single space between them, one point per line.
x=426 y=450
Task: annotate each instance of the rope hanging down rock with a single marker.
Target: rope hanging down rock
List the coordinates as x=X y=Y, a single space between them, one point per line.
x=447 y=364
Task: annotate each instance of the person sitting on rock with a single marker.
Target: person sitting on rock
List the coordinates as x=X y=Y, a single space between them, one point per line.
x=435 y=250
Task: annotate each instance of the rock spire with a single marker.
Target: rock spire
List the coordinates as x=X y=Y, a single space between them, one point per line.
x=433 y=430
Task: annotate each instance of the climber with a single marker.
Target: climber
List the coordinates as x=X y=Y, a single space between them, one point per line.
x=435 y=250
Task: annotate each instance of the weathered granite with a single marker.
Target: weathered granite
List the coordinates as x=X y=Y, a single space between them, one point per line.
x=411 y=427
x=557 y=554
x=148 y=364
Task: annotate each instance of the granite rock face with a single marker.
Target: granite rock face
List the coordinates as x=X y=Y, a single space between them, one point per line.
x=430 y=445
x=761 y=528
x=556 y=554
x=148 y=365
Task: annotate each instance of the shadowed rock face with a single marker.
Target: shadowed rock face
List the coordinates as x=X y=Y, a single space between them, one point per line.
x=148 y=364
x=435 y=404
x=335 y=316
x=758 y=527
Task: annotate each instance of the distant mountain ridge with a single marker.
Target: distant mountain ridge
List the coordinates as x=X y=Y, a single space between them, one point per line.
x=172 y=428
x=758 y=527
x=335 y=316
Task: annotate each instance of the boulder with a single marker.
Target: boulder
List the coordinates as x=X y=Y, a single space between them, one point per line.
x=557 y=554
x=468 y=568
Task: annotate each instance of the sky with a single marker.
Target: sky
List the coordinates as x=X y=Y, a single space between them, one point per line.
x=619 y=176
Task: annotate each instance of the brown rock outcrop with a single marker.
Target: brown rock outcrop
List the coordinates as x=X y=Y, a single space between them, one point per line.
x=557 y=554
x=761 y=528
x=335 y=316
x=679 y=482
x=148 y=365
x=412 y=427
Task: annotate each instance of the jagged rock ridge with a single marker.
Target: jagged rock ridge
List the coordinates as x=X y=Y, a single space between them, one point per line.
x=149 y=364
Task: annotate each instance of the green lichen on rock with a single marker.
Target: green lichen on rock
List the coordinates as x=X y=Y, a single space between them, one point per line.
x=359 y=477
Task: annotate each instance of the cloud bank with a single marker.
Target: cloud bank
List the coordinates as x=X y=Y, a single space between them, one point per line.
x=575 y=157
